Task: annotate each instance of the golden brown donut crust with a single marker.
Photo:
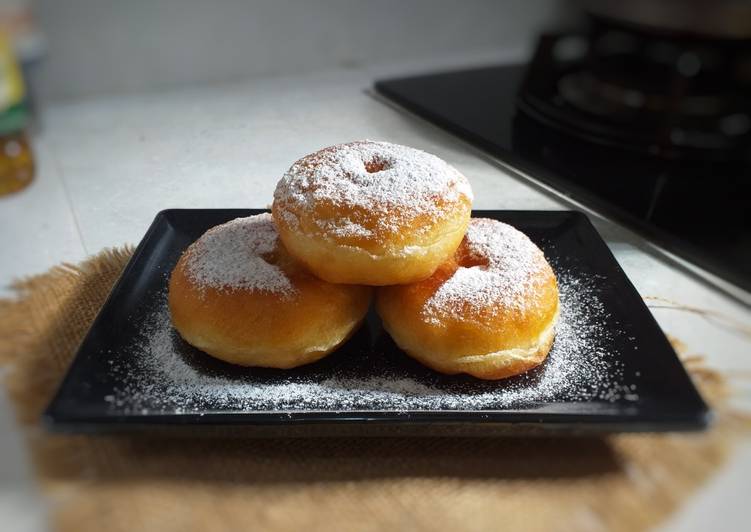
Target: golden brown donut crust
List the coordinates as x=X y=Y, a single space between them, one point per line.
x=251 y=327
x=393 y=228
x=491 y=339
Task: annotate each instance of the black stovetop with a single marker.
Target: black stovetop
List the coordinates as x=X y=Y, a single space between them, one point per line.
x=696 y=208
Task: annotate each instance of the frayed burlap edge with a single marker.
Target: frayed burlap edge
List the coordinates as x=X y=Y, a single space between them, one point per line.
x=124 y=483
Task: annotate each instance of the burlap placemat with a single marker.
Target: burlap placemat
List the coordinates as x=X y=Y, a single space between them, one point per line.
x=126 y=483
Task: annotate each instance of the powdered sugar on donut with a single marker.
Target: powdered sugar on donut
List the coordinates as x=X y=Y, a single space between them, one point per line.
x=396 y=182
x=506 y=274
x=231 y=256
x=344 y=228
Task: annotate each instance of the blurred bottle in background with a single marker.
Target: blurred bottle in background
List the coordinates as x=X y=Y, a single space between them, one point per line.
x=20 y=48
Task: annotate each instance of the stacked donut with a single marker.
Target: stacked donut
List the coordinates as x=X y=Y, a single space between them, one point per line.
x=279 y=290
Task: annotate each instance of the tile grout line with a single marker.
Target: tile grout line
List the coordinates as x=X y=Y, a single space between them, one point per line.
x=61 y=176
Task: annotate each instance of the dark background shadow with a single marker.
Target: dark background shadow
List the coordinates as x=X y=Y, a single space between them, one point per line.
x=136 y=458
x=150 y=456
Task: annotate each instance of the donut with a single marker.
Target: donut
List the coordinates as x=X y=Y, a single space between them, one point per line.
x=372 y=213
x=237 y=295
x=489 y=311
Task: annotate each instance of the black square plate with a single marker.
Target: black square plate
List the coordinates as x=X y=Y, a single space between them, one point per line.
x=611 y=367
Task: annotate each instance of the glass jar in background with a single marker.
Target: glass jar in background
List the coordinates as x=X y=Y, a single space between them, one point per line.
x=16 y=162
x=16 y=158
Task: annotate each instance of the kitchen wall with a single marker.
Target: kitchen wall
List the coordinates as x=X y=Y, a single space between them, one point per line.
x=110 y=46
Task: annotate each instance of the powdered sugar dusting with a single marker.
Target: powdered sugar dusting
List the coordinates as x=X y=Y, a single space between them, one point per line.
x=504 y=274
x=369 y=176
x=344 y=228
x=162 y=374
x=231 y=256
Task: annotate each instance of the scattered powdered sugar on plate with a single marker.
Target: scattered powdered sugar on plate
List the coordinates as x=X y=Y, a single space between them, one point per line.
x=231 y=256
x=160 y=373
x=370 y=176
x=505 y=270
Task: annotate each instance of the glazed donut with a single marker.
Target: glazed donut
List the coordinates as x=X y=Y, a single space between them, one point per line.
x=237 y=295
x=372 y=213
x=489 y=311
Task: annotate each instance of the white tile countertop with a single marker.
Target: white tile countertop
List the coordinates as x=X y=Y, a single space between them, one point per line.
x=107 y=166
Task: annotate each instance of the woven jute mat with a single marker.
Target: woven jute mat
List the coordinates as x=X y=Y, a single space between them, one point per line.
x=126 y=483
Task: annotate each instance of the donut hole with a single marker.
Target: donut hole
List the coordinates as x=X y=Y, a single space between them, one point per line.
x=281 y=259
x=468 y=260
x=272 y=257
x=375 y=165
